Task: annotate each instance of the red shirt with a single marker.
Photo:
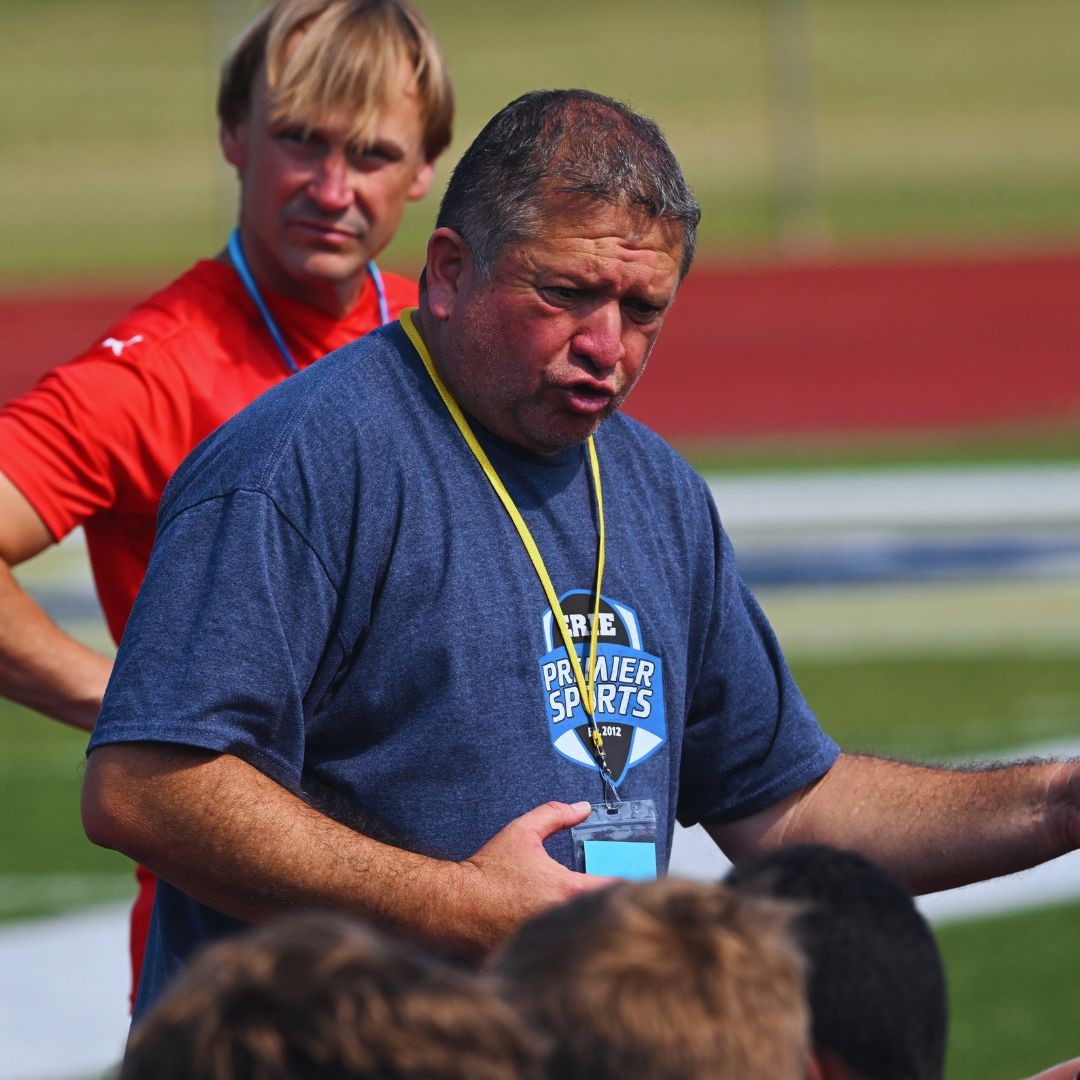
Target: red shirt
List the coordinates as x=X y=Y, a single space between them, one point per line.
x=96 y=440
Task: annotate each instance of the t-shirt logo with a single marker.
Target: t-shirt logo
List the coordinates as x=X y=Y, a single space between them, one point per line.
x=629 y=686
x=119 y=346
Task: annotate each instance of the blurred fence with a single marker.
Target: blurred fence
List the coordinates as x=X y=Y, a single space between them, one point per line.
x=843 y=123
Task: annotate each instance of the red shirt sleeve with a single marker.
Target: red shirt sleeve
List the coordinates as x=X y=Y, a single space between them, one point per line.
x=101 y=432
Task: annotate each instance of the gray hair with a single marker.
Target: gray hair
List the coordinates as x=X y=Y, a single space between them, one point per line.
x=562 y=143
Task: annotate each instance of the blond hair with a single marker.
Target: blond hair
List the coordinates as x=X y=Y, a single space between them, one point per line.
x=322 y=56
x=666 y=978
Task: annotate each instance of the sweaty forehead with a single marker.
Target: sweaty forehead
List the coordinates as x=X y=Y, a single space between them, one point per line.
x=600 y=242
x=606 y=227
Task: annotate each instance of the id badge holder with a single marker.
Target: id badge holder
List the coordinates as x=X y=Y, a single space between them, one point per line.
x=617 y=841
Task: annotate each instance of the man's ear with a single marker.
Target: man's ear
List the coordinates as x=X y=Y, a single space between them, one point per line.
x=421 y=182
x=233 y=145
x=448 y=271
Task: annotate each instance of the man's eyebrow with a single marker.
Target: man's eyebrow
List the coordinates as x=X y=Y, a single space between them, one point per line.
x=382 y=144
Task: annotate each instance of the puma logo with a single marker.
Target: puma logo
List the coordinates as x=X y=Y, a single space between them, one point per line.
x=119 y=346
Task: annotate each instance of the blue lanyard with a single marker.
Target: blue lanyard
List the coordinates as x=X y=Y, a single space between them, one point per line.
x=236 y=254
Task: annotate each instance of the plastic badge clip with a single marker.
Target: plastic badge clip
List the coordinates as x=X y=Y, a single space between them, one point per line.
x=617 y=841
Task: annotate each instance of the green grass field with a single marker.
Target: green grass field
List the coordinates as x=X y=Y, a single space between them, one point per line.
x=937 y=124
x=1041 y=444
x=1012 y=1008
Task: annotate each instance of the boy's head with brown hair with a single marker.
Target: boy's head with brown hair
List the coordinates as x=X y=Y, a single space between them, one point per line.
x=667 y=978
x=315 y=997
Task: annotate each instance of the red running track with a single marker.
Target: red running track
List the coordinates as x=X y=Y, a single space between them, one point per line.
x=794 y=349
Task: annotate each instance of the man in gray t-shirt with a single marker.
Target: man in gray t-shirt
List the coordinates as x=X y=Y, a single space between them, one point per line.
x=408 y=596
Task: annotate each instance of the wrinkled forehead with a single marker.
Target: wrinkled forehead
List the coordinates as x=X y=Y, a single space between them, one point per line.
x=559 y=214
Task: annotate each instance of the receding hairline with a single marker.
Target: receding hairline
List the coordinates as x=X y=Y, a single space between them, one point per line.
x=556 y=202
x=550 y=143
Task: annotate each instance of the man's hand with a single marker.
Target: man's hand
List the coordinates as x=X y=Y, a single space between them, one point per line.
x=229 y=836
x=40 y=666
x=512 y=877
x=1063 y=804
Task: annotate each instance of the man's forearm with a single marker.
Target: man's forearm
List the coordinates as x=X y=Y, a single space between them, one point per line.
x=230 y=837
x=41 y=666
x=935 y=828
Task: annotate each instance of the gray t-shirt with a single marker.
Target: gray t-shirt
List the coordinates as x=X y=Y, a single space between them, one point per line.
x=337 y=596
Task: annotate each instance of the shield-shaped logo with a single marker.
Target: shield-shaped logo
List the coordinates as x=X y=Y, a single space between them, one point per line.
x=629 y=686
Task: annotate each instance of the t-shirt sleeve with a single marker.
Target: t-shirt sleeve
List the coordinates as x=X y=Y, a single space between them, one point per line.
x=751 y=738
x=70 y=442
x=226 y=637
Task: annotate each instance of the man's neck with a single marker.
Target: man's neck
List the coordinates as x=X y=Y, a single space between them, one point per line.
x=334 y=299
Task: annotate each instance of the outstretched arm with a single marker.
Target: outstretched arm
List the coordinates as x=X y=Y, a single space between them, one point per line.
x=936 y=828
x=232 y=838
x=1067 y=1070
x=40 y=666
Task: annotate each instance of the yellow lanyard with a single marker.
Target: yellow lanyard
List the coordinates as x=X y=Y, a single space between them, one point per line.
x=585 y=687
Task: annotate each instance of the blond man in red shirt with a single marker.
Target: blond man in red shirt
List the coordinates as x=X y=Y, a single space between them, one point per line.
x=333 y=113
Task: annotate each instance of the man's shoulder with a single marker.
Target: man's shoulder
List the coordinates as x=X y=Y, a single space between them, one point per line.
x=646 y=475
x=306 y=429
x=195 y=308
x=367 y=367
x=640 y=446
x=364 y=386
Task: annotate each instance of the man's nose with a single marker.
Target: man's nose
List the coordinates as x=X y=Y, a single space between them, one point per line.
x=330 y=189
x=599 y=337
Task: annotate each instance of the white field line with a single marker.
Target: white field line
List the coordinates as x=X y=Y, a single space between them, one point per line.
x=63 y=995
x=903 y=498
x=694 y=855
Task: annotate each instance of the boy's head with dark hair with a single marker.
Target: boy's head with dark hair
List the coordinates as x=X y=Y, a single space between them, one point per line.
x=670 y=979
x=876 y=983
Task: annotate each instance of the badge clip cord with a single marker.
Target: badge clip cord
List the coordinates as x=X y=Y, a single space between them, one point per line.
x=236 y=254
x=586 y=687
